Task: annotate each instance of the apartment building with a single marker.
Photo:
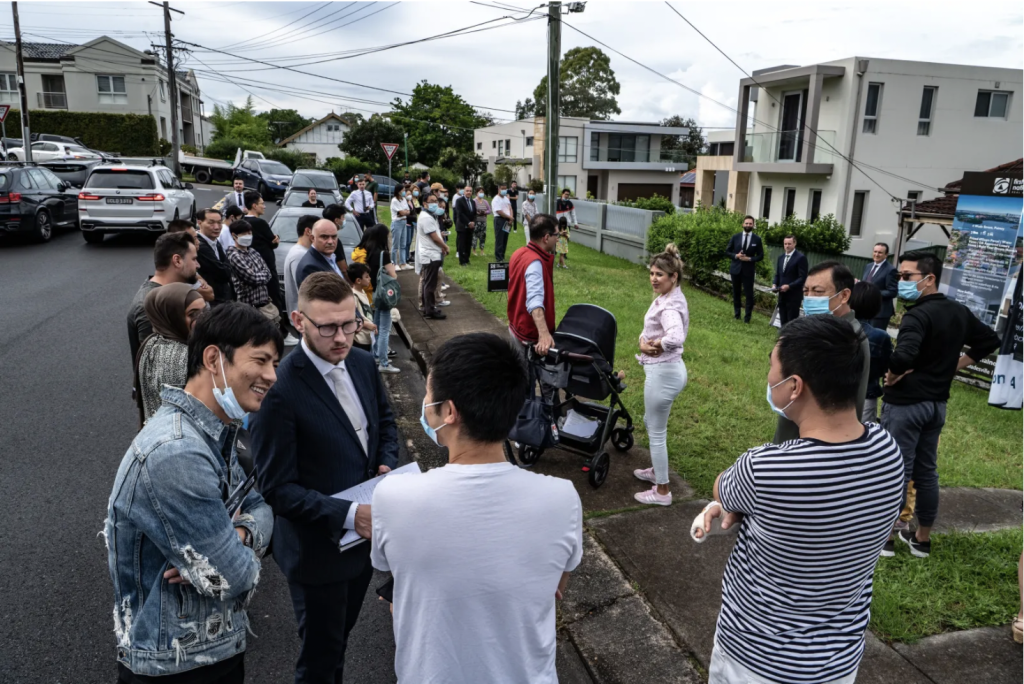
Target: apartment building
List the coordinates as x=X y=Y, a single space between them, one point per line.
x=610 y=160
x=845 y=137
x=103 y=75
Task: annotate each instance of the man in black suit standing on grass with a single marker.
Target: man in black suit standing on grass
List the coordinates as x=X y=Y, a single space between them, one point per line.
x=885 y=277
x=325 y=426
x=745 y=249
x=790 y=273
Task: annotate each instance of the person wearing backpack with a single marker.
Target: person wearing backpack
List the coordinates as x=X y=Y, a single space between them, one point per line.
x=386 y=291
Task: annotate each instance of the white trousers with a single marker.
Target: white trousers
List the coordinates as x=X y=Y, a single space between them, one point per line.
x=663 y=384
x=727 y=670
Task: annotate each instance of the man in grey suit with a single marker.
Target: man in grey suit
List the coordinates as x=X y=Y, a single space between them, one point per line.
x=884 y=276
x=237 y=195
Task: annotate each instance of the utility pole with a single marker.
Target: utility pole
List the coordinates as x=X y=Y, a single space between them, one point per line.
x=172 y=84
x=551 y=116
x=26 y=131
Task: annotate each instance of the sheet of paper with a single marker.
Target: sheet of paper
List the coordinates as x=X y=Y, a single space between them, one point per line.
x=363 y=494
x=579 y=426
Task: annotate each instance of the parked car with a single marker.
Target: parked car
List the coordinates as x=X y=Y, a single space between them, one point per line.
x=385 y=187
x=271 y=178
x=132 y=198
x=45 y=150
x=285 y=222
x=33 y=200
x=304 y=180
x=51 y=137
x=72 y=171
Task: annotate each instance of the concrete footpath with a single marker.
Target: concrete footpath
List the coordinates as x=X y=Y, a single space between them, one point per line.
x=643 y=604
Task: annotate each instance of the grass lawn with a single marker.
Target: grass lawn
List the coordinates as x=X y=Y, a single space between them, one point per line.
x=970 y=580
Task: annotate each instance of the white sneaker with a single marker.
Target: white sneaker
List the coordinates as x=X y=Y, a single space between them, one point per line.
x=291 y=340
x=389 y=369
x=444 y=303
x=651 y=496
x=647 y=475
x=445 y=286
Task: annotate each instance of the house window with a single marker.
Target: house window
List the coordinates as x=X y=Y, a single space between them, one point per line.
x=9 y=88
x=991 y=104
x=726 y=149
x=643 y=148
x=501 y=148
x=860 y=198
x=871 y=107
x=924 y=119
x=789 y=207
x=163 y=92
x=508 y=146
x=479 y=146
x=815 y=205
x=112 y=90
x=494 y=143
x=567 y=182
x=766 y=202
x=595 y=146
x=567 y=153
x=529 y=141
x=713 y=149
x=163 y=127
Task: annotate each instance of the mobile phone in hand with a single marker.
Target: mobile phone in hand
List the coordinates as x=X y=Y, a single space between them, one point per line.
x=387 y=590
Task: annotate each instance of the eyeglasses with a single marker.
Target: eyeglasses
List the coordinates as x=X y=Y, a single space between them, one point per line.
x=331 y=329
x=906 y=275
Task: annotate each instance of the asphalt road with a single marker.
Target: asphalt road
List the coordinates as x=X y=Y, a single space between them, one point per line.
x=66 y=420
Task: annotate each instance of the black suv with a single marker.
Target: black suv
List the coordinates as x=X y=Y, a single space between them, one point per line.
x=33 y=200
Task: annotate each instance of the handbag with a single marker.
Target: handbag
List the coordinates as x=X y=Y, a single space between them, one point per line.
x=388 y=291
x=535 y=425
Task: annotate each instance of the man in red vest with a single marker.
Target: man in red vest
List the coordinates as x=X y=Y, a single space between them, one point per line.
x=531 y=287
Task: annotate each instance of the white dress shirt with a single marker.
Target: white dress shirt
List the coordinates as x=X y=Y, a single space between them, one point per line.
x=212 y=243
x=364 y=204
x=326 y=367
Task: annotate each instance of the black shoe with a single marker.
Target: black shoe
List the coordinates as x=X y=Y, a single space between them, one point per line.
x=917 y=548
x=737 y=316
x=746 y=319
x=437 y=316
x=392 y=353
x=889 y=550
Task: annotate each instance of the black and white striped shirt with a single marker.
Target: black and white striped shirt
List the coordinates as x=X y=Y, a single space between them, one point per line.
x=796 y=594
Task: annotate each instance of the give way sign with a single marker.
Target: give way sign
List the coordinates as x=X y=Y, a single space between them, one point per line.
x=4 y=109
x=389 y=148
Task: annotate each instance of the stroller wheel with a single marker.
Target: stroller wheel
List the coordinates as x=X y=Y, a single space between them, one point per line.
x=529 y=455
x=622 y=439
x=599 y=469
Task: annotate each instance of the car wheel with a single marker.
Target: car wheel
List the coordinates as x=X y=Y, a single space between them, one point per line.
x=44 y=227
x=12 y=157
x=192 y=213
x=92 y=237
x=262 y=189
x=175 y=214
x=202 y=176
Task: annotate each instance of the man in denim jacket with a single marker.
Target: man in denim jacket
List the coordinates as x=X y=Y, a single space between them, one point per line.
x=183 y=566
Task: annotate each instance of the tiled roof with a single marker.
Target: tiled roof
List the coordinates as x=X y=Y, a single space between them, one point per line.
x=688 y=178
x=940 y=206
x=46 y=50
x=1011 y=167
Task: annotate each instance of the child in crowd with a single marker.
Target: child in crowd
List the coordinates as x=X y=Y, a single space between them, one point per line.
x=562 y=246
x=359 y=276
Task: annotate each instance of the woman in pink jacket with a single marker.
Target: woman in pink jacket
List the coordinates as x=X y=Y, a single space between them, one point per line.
x=661 y=354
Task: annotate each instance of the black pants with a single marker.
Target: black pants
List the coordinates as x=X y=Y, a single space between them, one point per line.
x=500 y=237
x=789 y=308
x=366 y=219
x=326 y=613
x=428 y=278
x=515 y=215
x=230 y=671
x=464 y=243
x=747 y=283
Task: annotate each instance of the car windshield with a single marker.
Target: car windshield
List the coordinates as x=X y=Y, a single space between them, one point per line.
x=276 y=168
x=317 y=181
x=284 y=225
x=116 y=179
x=297 y=198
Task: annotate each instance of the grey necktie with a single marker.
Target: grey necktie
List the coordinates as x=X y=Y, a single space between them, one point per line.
x=874 y=270
x=348 y=405
x=786 y=262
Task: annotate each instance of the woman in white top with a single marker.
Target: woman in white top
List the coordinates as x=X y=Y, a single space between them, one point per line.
x=661 y=354
x=399 y=224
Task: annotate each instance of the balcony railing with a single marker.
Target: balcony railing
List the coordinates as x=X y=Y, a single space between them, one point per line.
x=787 y=146
x=631 y=155
x=52 y=100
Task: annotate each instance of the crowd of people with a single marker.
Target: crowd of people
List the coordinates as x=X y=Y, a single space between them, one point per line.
x=190 y=519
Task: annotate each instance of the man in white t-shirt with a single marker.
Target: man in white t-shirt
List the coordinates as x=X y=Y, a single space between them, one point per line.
x=430 y=252
x=502 y=208
x=479 y=549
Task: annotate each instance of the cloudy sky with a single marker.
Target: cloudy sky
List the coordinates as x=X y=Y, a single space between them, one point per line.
x=493 y=68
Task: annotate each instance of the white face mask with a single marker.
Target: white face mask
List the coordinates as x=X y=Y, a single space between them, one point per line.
x=245 y=240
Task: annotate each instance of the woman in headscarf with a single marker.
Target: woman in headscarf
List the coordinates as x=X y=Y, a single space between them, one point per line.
x=163 y=358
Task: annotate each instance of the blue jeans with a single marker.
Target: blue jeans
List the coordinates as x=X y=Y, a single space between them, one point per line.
x=382 y=319
x=399 y=244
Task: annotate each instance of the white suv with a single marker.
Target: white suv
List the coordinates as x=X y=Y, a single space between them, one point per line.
x=118 y=198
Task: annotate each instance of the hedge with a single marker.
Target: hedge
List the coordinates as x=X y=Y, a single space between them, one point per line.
x=128 y=134
x=825 y=235
x=653 y=203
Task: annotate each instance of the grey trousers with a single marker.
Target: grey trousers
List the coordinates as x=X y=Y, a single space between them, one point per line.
x=916 y=429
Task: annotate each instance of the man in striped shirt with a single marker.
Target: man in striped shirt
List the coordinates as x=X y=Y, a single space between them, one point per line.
x=814 y=514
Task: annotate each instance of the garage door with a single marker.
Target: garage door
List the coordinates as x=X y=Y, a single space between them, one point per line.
x=632 y=191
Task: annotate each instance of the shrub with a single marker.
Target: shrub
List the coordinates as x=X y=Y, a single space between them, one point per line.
x=344 y=169
x=446 y=177
x=165 y=147
x=293 y=159
x=127 y=134
x=655 y=203
x=189 y=149
x=225 y=148
x=825 y=235
x=487 y=183
x=536 y=184
x=701 y=237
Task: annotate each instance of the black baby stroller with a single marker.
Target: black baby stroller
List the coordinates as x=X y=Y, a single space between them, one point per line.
x=580 y=364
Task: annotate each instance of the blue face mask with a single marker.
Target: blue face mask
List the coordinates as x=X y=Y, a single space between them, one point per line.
x=444 y=197
x=531 y=197
x=459 y=193
x=415 y=193
x=431 y=432
x=907 y=289
x=780 y=411
x=817 y=305
x=435 y=210
x=226 y=397
x=480 y=195
x=504 y=192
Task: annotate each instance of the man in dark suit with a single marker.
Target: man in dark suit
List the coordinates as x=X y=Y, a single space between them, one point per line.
x=745 y=249
x=213 y=262
x=465 y=217
x=325 y=426
x=885 y=277
x=324 y=253
x=790 y=272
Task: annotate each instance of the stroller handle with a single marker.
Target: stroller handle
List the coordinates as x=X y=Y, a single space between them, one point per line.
x=558 y=356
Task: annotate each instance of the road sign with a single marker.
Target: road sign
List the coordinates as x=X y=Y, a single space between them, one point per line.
x=4 y=109
x=390 y=149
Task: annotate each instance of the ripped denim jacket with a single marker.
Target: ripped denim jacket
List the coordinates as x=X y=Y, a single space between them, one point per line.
x=167 y=511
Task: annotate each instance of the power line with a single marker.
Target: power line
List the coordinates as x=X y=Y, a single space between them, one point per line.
x=354 y=21
x=263 y=35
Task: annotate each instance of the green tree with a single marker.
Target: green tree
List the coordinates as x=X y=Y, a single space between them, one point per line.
x=588 y=86
x=524 y=110
x=353 y=117
x=240 y=123
x=363 y=140
x=435 y=118
x=282 y=123
x=466 y=165
x=689 y=146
